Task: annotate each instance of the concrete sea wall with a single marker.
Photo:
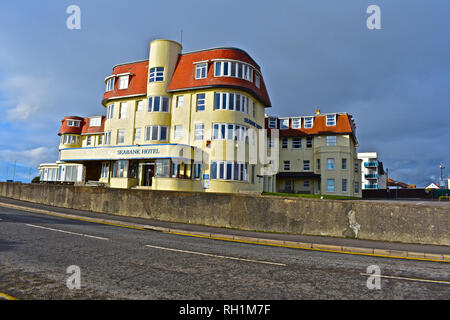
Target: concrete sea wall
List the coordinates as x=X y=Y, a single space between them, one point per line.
x=370 y=220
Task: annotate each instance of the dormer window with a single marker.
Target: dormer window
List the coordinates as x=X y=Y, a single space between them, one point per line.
x=284 y=124
x=296 y=123
x=272 y=123
x=331 y=120
x=308 y=122
x=110 y=84
x=201 y=70
x=95 y=122
x=123 y=82
x=73 y=123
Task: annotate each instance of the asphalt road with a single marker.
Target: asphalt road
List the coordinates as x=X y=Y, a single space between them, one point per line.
x=122 y=263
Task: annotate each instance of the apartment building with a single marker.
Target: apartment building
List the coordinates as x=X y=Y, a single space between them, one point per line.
x=317 y=155
x=174 y=121
x=373 y=175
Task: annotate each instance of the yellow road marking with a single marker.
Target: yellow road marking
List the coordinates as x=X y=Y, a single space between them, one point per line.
x=7 y=296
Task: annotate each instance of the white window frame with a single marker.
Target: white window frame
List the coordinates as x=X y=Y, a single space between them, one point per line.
x=329 y=189
x=155 y=75
x=110 y=84
x=331 y=141
x=306 y=165
x=331 y=164
x=257 y=80
x=140 y=105
x=180 y=101
x=296 y=143
x=199 y=130
x=149 y=133
x=123 y=110
x=308 y=122
x=296 y=123
x=151 y=105
x=137 y=134
x=330 y=120
x=201 y=70
x=283 y=125
x=284 y=143
x=200 y=101
x=123 y=82
x=95 y=122
x=272 y=122
x=73 y=123
x=177 y=132
x=120 y=136
x=110 y=111
x=88 y=141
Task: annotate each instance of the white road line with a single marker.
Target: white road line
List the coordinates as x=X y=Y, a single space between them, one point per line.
x=78 y=234
x=403 y=278
x=217 y=256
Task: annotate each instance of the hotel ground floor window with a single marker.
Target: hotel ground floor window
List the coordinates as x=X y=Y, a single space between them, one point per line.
x=105 y=170
x=197 y=170
x=162 y=168
x=228 y=170
x=330 y=185
x=119 y=168
x=133 y=169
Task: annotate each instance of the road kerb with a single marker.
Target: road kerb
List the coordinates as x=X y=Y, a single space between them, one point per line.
x=327 y=247
x=301 y=245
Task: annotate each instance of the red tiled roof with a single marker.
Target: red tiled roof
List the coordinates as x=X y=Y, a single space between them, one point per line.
x=184 y=75
x=86 y=129
x=73 y=130
x=344 y=125
x=137 y=80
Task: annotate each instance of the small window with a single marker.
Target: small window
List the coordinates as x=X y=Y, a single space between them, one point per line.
x=110 y=84
x=308 y=122
x=284 y=143
x=344 y=185
x=100 y=139
x=330 y=185
x=180 y=101
x=306 y=165
x=330 y=163
x=272 y=123
x=120 y=136
x=123 y=110
x=287 y=165
x=201 y=102
x=140 y=105
x=158 y=104
x=306 y=183
x=156 y=74
x=89 y=141
x=284 y=124
x=178 y=132
x=199 y=131
x=73 y=123
x=331 y=141
x=318 y=164
x=344 y=164
x=257 y=80
x=123 y=82
x=356 y=187
x=137 y=134
x=110 y=112
x=331 y=120
x=309 y=142
x=296 y=123
x=201 y=70
x=296 y=143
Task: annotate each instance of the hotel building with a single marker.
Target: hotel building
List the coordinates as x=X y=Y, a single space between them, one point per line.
x=193 y=122
x=373 y=175
x=175 y=121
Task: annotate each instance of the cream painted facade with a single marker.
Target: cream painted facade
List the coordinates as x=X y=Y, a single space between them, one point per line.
x=315 y=167
x=129 y=127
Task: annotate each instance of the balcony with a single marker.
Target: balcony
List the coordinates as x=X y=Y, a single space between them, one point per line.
x=371 y=164
x=371 y=176
x=371 y=186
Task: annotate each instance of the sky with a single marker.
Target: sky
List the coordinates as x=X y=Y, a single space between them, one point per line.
x=314 y=54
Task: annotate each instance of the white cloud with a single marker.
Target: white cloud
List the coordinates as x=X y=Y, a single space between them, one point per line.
x=25 y=96
x=31 y=157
